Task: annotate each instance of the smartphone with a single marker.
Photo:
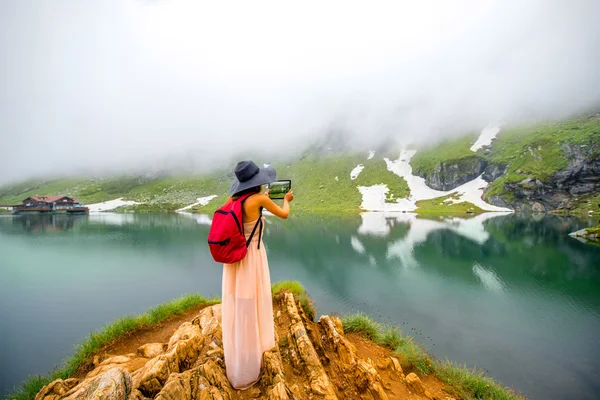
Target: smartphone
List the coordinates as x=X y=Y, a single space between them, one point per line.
x=278 y=189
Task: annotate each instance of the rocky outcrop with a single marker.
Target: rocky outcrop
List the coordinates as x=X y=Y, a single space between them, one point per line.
x=581 y=176
x=313 y=360
x=588 y=234
x=450 y=174
x=493 y=172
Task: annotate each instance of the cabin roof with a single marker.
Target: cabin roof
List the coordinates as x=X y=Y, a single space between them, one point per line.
x=50 y=199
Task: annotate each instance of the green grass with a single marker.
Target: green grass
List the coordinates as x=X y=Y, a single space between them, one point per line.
x=472 y=383
x=149 y=208
x=320 y=184
x=299 y=293
x=376 y=173
x=323 y=184
x=164 y=194
x=362 y=324
x=437 y=206
x=594 y=231
x=587 y=205
x=412 y=355
x=464 y=382
x=98 y=339
x=428 y=158
x=535 y=151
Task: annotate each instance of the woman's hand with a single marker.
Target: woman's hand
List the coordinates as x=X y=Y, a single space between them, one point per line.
x=289 y=196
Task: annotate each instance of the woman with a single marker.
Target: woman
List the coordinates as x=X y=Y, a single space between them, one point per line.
x=248 y=329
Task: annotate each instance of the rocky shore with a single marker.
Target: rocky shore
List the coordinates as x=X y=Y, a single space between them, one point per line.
x=588 y=234
x=313 y=360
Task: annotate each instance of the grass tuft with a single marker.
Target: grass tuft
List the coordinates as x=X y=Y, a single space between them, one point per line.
x=472 y=383
x=445 y=206
x=362 y=324
x=299 y=293
x=465 y=383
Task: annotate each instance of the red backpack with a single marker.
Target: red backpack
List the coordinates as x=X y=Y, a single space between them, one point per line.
x=226 y=239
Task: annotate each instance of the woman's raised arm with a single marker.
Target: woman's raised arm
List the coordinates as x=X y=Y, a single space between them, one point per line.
x=281 y=212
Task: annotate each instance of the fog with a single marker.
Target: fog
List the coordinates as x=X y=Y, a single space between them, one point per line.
x=104 y=86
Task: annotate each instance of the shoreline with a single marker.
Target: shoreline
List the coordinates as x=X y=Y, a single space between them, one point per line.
x=457 y=381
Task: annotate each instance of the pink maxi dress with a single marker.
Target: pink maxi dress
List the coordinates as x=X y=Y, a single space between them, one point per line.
x=247 y=319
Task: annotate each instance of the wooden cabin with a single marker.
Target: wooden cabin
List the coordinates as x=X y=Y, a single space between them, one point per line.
x=43 y=204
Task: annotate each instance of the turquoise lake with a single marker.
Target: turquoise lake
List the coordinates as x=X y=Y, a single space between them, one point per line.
x=512 y=294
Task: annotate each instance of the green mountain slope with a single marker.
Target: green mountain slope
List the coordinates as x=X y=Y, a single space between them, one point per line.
x=545 y=167
x=537 y=153
x=320 y=183
x=323 y=184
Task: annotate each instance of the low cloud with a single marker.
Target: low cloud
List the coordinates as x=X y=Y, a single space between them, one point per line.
x=90 y=87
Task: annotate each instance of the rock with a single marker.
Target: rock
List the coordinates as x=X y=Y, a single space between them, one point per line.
x=368 y=380
x=384 y=363
x=56 y=389
x=319 y=381
x=309 y=360
x=343 y=347
x=338 y=324
x=254 y=391
x=581 y=175
x=151 y=350
x=414 y=384
x=115 y=360
x=587 y=234
x=154 y=375
x=113 y=384
x=206 y=314
x=493 y=172
x=537 y=208
x=396 y=366
x=278 y=392
x=450 y=174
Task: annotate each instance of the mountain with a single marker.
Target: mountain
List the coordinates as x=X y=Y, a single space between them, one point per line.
x=544 y=167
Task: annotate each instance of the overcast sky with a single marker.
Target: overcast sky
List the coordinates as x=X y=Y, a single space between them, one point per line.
x=86 y=85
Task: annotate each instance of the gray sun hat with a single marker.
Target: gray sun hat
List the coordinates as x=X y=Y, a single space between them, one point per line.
x=249 y=175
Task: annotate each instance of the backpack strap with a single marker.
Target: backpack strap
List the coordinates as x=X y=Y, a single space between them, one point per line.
x=259 y=222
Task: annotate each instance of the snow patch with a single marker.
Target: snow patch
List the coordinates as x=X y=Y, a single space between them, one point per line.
x=201 y=219
x=485 y=138
x=357 y=245
x=380 y=224
x=488 y=278
x=113 y=218
x=371 y=155
x=110 y=205
x=356 y=171
x=374 y=200
x=200 y=201
x=374 y=197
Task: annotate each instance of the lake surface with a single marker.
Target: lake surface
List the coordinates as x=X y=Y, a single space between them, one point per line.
x=514 y=295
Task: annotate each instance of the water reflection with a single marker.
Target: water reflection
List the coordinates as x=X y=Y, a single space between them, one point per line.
x=46 y=223
x=505 y=292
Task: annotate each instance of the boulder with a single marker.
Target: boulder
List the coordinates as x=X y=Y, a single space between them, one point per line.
x=450 y=174
x=56 y=389
x=414 y=384
x=151 y=350
x=113 y=384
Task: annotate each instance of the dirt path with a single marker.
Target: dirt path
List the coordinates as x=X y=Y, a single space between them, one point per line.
x=128 y=344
